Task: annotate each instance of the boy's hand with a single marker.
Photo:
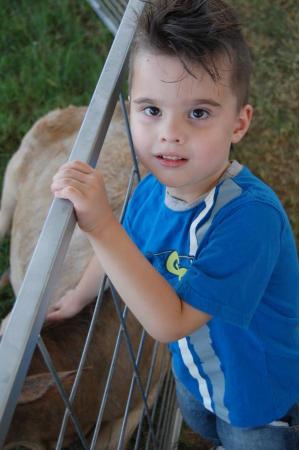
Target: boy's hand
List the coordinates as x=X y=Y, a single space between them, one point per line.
x=68 y=306
x=84 y=187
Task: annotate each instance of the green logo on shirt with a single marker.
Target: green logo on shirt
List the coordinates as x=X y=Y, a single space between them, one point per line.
x=173 y=265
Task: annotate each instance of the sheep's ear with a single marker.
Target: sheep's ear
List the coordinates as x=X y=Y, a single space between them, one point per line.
x=42 y=384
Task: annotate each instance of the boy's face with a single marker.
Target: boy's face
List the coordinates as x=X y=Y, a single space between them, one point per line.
x=183 y=126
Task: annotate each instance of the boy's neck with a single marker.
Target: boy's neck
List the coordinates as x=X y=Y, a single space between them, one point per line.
x=198 y=195
x=176 y=203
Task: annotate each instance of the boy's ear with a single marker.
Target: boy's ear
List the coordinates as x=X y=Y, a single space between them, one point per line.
x=242 y=123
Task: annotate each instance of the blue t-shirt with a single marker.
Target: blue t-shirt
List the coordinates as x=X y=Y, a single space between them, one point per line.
x=232 y=255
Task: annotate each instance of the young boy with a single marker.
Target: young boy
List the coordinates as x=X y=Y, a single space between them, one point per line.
x=206 y=259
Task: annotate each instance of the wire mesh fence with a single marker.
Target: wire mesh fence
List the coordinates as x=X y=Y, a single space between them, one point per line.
x=118 y=390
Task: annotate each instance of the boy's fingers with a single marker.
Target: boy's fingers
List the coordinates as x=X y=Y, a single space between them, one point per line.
x=61 y=183
x=80 y=165
x=69 y=193
x=77 y=165
x=70 y=174
x=74 y=190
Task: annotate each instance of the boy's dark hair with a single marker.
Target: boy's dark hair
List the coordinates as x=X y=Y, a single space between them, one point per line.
x=196 y=31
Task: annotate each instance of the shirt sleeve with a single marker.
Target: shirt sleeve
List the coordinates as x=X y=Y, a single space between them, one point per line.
x=230 y=275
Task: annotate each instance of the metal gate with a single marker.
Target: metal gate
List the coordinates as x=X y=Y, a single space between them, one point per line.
x=159 y=421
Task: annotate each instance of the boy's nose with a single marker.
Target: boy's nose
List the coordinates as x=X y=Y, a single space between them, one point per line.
x=172 y=132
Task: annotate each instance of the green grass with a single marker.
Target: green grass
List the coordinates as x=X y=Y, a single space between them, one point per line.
x=51 y=55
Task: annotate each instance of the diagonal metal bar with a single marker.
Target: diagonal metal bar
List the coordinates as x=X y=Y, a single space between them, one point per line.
x=109 y=17
x=163 y=407
x=167 y=418
x=115 y=9
x=75 y=386
x=176 y=430
x=107 y=386
x=147 y=389
x=116 y=299
x=20 y=338
x=156 y=410
x=129 y=134
x=61 y=390
x=129 y=399
x=133 y=175
x=159 y=411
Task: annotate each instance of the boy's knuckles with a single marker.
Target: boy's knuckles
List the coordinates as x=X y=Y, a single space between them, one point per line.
x=70 y=190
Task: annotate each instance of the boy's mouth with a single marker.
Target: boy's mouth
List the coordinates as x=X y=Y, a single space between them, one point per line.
x=171 y=160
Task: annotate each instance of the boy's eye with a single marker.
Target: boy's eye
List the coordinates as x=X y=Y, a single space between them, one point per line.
x=152 y=111
x=199 y=113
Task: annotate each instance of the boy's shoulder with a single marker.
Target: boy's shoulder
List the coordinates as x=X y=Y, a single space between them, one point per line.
x=254 y=190
x=242 y=201
x=255 y=187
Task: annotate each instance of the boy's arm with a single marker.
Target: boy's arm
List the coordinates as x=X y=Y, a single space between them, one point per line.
x=76 y=299
x=148 y=295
